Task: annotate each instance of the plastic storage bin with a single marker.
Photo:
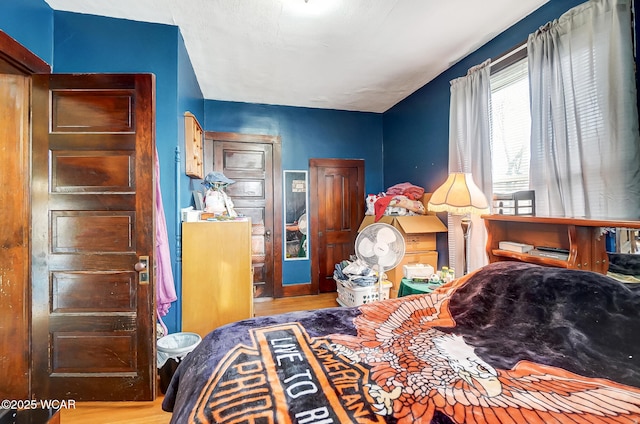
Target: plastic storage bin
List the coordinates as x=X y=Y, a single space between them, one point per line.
x=172 y=348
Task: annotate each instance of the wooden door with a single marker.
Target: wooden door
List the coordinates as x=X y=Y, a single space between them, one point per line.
x=253 y=162
x=337 y=208
x=92 y=217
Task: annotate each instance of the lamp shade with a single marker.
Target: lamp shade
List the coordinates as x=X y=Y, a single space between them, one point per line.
x=459 y=195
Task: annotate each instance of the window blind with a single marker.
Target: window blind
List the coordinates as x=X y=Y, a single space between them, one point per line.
x=510 y=128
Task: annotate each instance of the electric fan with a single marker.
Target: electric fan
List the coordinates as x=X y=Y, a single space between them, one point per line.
x=302 y=224
x=381 y=247
x=302 y=227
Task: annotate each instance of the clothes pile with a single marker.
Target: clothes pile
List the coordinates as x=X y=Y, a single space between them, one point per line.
x=355 y=273
x=400 y=199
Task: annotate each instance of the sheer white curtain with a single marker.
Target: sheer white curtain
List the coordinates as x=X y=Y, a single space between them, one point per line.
x=585 y=149
x=470 y=151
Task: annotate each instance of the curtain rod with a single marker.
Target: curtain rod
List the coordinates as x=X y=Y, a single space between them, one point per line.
x=508 y=54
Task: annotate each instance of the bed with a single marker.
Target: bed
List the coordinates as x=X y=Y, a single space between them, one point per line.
x=624 y=267
x=511 y=342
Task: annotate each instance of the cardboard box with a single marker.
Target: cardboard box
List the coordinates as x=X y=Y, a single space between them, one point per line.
x=419 y=233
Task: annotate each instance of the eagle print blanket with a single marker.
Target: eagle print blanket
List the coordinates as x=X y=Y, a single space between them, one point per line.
x=509 y=343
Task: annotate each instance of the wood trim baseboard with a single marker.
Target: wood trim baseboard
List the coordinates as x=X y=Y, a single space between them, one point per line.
x=298 y=290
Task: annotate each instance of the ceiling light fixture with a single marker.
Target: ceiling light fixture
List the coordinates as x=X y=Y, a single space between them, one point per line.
x=310 y=8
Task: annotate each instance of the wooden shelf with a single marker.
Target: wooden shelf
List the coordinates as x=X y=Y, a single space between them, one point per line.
x=525 y=257
x=583 y=238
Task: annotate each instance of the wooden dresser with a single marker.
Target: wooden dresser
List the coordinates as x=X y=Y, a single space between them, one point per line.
x=583 y=238
x=217 y=286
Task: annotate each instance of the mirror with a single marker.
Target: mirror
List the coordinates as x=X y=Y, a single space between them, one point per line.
x=295 y=216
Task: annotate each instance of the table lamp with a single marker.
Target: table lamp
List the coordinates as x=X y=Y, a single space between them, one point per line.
x=459 y=195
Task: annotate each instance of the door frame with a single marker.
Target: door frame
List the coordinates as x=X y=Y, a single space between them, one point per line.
x=19 y=57
x=275 y=141
x=15 y=59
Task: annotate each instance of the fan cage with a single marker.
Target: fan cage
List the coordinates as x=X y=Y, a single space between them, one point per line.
x=397 y=247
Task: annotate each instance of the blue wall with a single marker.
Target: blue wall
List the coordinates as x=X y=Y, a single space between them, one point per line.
x=407 y=143
x=306 y=133
x=420 y=123
x=87 y=43
x=189 y=100
x=30 y=22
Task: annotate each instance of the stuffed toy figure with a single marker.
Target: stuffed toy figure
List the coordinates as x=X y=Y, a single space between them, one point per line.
x=370 y=202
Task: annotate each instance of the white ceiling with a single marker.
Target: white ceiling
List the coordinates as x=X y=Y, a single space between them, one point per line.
x=360 y=55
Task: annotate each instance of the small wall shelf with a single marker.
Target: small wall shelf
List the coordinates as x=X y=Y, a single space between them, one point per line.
x=193 y=139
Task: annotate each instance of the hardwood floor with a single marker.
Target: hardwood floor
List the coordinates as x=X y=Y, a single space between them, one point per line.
x=116 y=413
x=151 y=412
x=291 y=304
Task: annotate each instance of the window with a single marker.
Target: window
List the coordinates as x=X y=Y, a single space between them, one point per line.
x=510 y=124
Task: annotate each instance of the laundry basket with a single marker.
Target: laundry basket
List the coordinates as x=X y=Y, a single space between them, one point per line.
x=349 y=295
x=172 y=348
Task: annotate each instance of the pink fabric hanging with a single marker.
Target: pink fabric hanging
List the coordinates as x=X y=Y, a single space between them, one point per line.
x=165 y=287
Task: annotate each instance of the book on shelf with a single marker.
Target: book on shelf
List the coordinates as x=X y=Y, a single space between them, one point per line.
x=512 y=246
x=550 y=254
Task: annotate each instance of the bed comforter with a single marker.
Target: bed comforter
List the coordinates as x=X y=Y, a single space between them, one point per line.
x=512 y=342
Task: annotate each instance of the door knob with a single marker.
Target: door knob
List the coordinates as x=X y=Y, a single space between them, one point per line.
x=267 y=235
x=142 y=267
